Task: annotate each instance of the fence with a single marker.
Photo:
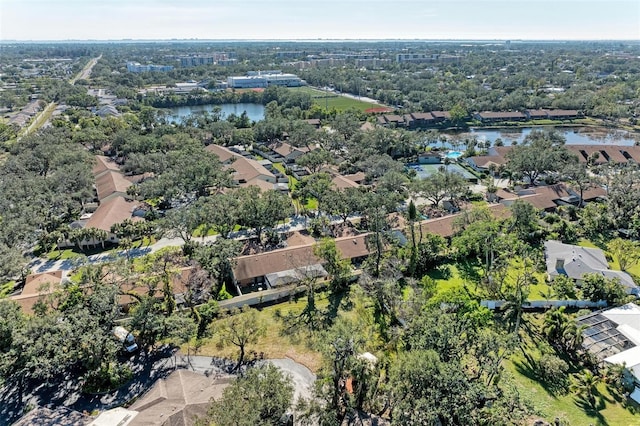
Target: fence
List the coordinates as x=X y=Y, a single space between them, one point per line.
x=547 y=304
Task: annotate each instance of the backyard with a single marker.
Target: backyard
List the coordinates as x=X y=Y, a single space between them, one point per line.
x=564 y=406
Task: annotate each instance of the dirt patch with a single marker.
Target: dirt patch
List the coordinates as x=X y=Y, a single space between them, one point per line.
x=378 y=110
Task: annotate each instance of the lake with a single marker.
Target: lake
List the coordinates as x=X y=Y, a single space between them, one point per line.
x=255 y=112
x=574 y=136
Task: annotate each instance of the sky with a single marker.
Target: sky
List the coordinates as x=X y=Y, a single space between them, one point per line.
x=320 y=19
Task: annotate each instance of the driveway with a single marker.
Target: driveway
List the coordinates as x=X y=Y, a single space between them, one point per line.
x=303 y=379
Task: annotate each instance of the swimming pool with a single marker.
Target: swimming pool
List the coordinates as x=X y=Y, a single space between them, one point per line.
x=454 y=155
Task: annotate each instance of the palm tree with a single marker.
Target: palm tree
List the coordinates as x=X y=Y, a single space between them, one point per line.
x=555 y=324
x=585 y=385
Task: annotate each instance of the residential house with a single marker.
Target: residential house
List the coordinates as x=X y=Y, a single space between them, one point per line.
x=575 y=261
x=548 y=198
x=594 y=154
x=110 y=212
x=112 y=184
x=177 y=399
x=288 y=152
x=445 y=225
x=39 y=286
x=35 y=287
x=315 y=122
x=612 y=336
x=358 y=177
x=341 y=182
x=246 y=171
x=441 y=116
x=421 y=119
x=493 y=117
x=292 y=264
x=484 y=163
x=563 y=114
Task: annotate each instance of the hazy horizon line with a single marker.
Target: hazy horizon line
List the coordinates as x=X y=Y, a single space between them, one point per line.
x=452 y=39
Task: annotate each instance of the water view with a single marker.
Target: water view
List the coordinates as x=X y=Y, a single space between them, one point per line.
x=573 y=136
x=255 y=112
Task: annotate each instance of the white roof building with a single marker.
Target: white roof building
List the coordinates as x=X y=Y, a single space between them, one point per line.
x=613 y=336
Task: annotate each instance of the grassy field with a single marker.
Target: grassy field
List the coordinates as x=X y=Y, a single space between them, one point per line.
x=566 y=407
x=275 y=344
x=332 y=100
x=461 y=275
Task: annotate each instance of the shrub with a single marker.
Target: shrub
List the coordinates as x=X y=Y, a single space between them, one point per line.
x=553 y=372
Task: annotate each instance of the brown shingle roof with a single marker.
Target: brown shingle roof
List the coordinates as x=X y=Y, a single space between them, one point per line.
x=366 y=126
x=223 y=153
x=178 y=399
x=427 y=116
x=258 y=265
x=104 y=164
x=246 y=169
x=111 y=182
x=443 y=226
x=34 y=282
x=500 y=115
x=111 y=211
x=562 y=112
x=485 y=161
x=356 y=177
x=341 y=182
x=285 y=149
x=36 y=287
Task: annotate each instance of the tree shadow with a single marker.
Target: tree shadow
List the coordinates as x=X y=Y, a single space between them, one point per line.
x=336 y=301
x=469 y=271
x=593 y=411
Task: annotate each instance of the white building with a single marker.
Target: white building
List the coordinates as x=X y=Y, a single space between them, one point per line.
x=265 y=79
x=613 y=336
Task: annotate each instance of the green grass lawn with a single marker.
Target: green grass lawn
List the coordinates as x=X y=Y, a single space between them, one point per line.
x=331 y=100
x=567 y=406
x=463 y=275
x=613 y=263
x=7 y=288
x=275 y=343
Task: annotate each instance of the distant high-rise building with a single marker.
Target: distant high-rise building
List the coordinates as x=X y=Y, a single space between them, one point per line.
x=217 y=58
x=136 y=67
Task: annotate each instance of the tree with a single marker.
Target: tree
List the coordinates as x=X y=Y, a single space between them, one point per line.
x=343 y=202
x=580 y=179
x=221 y=212
x=541 y=152
x=260 y=210
x=217 y=258
x=331 y=403
x=315 y=160
x=240 y=328
x=258 y=397
x=596 y=287
x=458 y=115
x=556 y=328
x=430 y=251
x=339 y=269
x=623 y=199
x=585 y=384
x=524 y=219
x=314 y=186
x=626 y=252
x=564 y=287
